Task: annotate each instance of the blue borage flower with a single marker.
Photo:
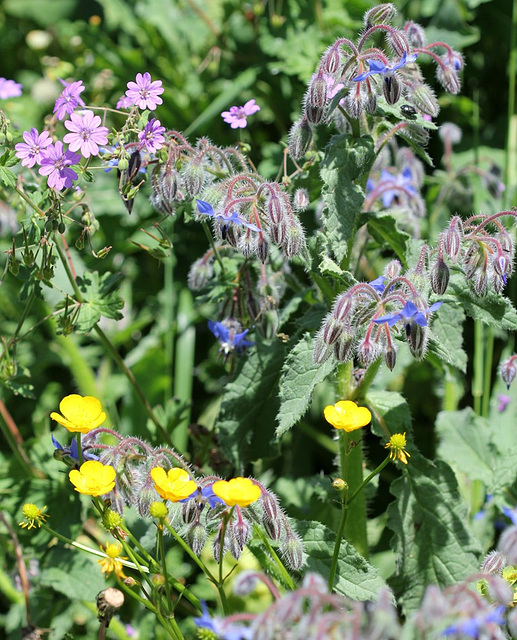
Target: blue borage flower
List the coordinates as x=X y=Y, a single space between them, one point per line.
x=511 y=513
x=223 y=629
x=379 y=284
x=206 y=494
x=410 y=314
x=205 y=208
x=72 y=451
x=472 y=627
x=376 y=66
x=228 y=337
x=390 y=186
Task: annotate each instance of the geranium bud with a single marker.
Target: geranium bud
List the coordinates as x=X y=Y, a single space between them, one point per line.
x=392 y=88
x=381 y=14
x=415 y=34
x=398 y=42
x=300 y=137
x=424 y=99
x=494 y=562
x=439 y=277
x=135 y=162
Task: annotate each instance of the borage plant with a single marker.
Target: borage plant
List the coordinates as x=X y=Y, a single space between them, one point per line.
x=332 y=316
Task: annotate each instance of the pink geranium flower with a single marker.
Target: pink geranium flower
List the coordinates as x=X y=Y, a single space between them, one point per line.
x=236 y=117
x=69 y=99
x=152 y=136
x=32 y=150
x=9 y=89
x=144 y=93
x=86 y=133
x=56 y=165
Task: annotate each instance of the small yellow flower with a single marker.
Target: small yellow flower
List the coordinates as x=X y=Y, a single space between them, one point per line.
x=238 y=491
x=173 y=485
x=397 y=446
x=93 y=478
x=34 y=516
x=346 y=415
x=112 y=563
x=79 y=414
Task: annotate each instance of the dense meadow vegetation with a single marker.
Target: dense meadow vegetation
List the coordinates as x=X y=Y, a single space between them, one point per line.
x=257 y=319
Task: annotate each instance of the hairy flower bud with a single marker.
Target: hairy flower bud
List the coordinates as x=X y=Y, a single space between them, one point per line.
x=193 y=177
x=415 y=34
x=200 y=273
x=273 y=528
x=354 y=102
x=381 y=14
x=424 y=99
x=508 y=370
x=390 y=356
x=275 y=209
x=448 y=77
x=480 y=283
x=278 y=232
x=392 y=269
x=331 y=60
x=292 y=550
x=392 y=88
x=300 y=137
x=332 y=329
x=196 y=537
x=494 y=562
x=190 y=511
x=452 y=238
x=316 y=100
x=450 y=132
x=301 y=199
x=344 y=346
x=343 y=306
x=367 y=352
x=262 y=248
x=501 y=264
x=398 y=42
x=322 y=351
x=239 y=533
x=295 y=241
x=439 y=277
x=417 y=338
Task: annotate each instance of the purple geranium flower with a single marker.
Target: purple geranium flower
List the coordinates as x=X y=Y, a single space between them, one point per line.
x=206 y=209
x=9 y=89
x=144 y=93
x=229 y=337
x=69 y=99
x=236 y=117
x=409 y=314
x=86 y=133
x=56 y=165
x=376 y=66
x=151 y=137
x=32 y=151
x=124 y=102
x=503 y=401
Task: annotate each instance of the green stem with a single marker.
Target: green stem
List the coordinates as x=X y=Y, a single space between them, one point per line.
x=189 y=552
x=367 y=480
x=283 y=571
x=164 y=570
x=212 y=244
x=477 y=380
x=337 y=545
x=487 y=381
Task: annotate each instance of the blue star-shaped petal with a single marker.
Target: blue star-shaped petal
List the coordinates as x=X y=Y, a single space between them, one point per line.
x=206 y=209
x=376 y=66
x=409 y=314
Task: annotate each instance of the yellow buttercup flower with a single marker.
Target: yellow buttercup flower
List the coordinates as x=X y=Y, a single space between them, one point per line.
x=93 y=478
x=238 y=491
x=34 y=516
x=112 y=563
x=346 y=415
x=80 y=414
x=173 y=485
x=397 y=446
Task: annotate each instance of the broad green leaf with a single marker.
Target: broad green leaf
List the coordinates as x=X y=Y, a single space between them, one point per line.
x=74 y=574
x=299 y=377
x=383 y=228
x=355 y=577
x=390 y=413
x=432 y=541
x=249 y=406
x=447 y=335
x=7 y=177
x=470 y=445
x=494 y=309
x=100 y=298
x=346 y=160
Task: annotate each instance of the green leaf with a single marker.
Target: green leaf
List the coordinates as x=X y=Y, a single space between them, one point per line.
x=447 y=335
x=73 y=574
x=471 y=445
x=390 y=413
x=100 y=298
x=383 y=228
x=249 y=406
x=494 y=309
x=431 y=539
x=346 y=160
x=299 y=377
x=355 y=577
x=7 y=177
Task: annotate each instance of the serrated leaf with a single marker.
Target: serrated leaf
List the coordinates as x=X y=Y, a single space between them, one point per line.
x=432 y=541
x=346 y=160
x=250 y=404
x=469 y=444
x=7 y=177
x=299 y=377
x=390 y=412
x=447 y=335
x=355 y=577
x=383 y=228
x=100 y=298
x=494 y=309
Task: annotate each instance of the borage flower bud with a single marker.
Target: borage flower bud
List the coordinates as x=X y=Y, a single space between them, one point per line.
x=193 y=177
x=398 y=42
x=390 y=356
x=273 y=528
x=450 y=132
x=452 y=238
x=344 y=346
x=368 y=352
x=424 y=99
x=480 y=283
x=417 y=337
x=239 y=534
x=295 y=241
x=332 y=329
x=501 y=264
x=448 y=77
x=322 y=351
x=300 y=137
x=392 y=269
x=292 y=551
x=200 y=274
x=494 y=562
x=275 y=209
x=331 y=60
x=439 y=277
x=508 y=370
x=316 y=99
x=415 y=34
x=343 y=306
x=392 y=88
x=196 y=537
x=278 y=232
x=301 y=199
x=262 y=250
x=354 y=102
x=381 y=14
x=371 y=101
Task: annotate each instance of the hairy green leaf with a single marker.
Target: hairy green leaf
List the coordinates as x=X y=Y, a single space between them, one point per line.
x=299 y=377
x=383 y=228
x=447 y=336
